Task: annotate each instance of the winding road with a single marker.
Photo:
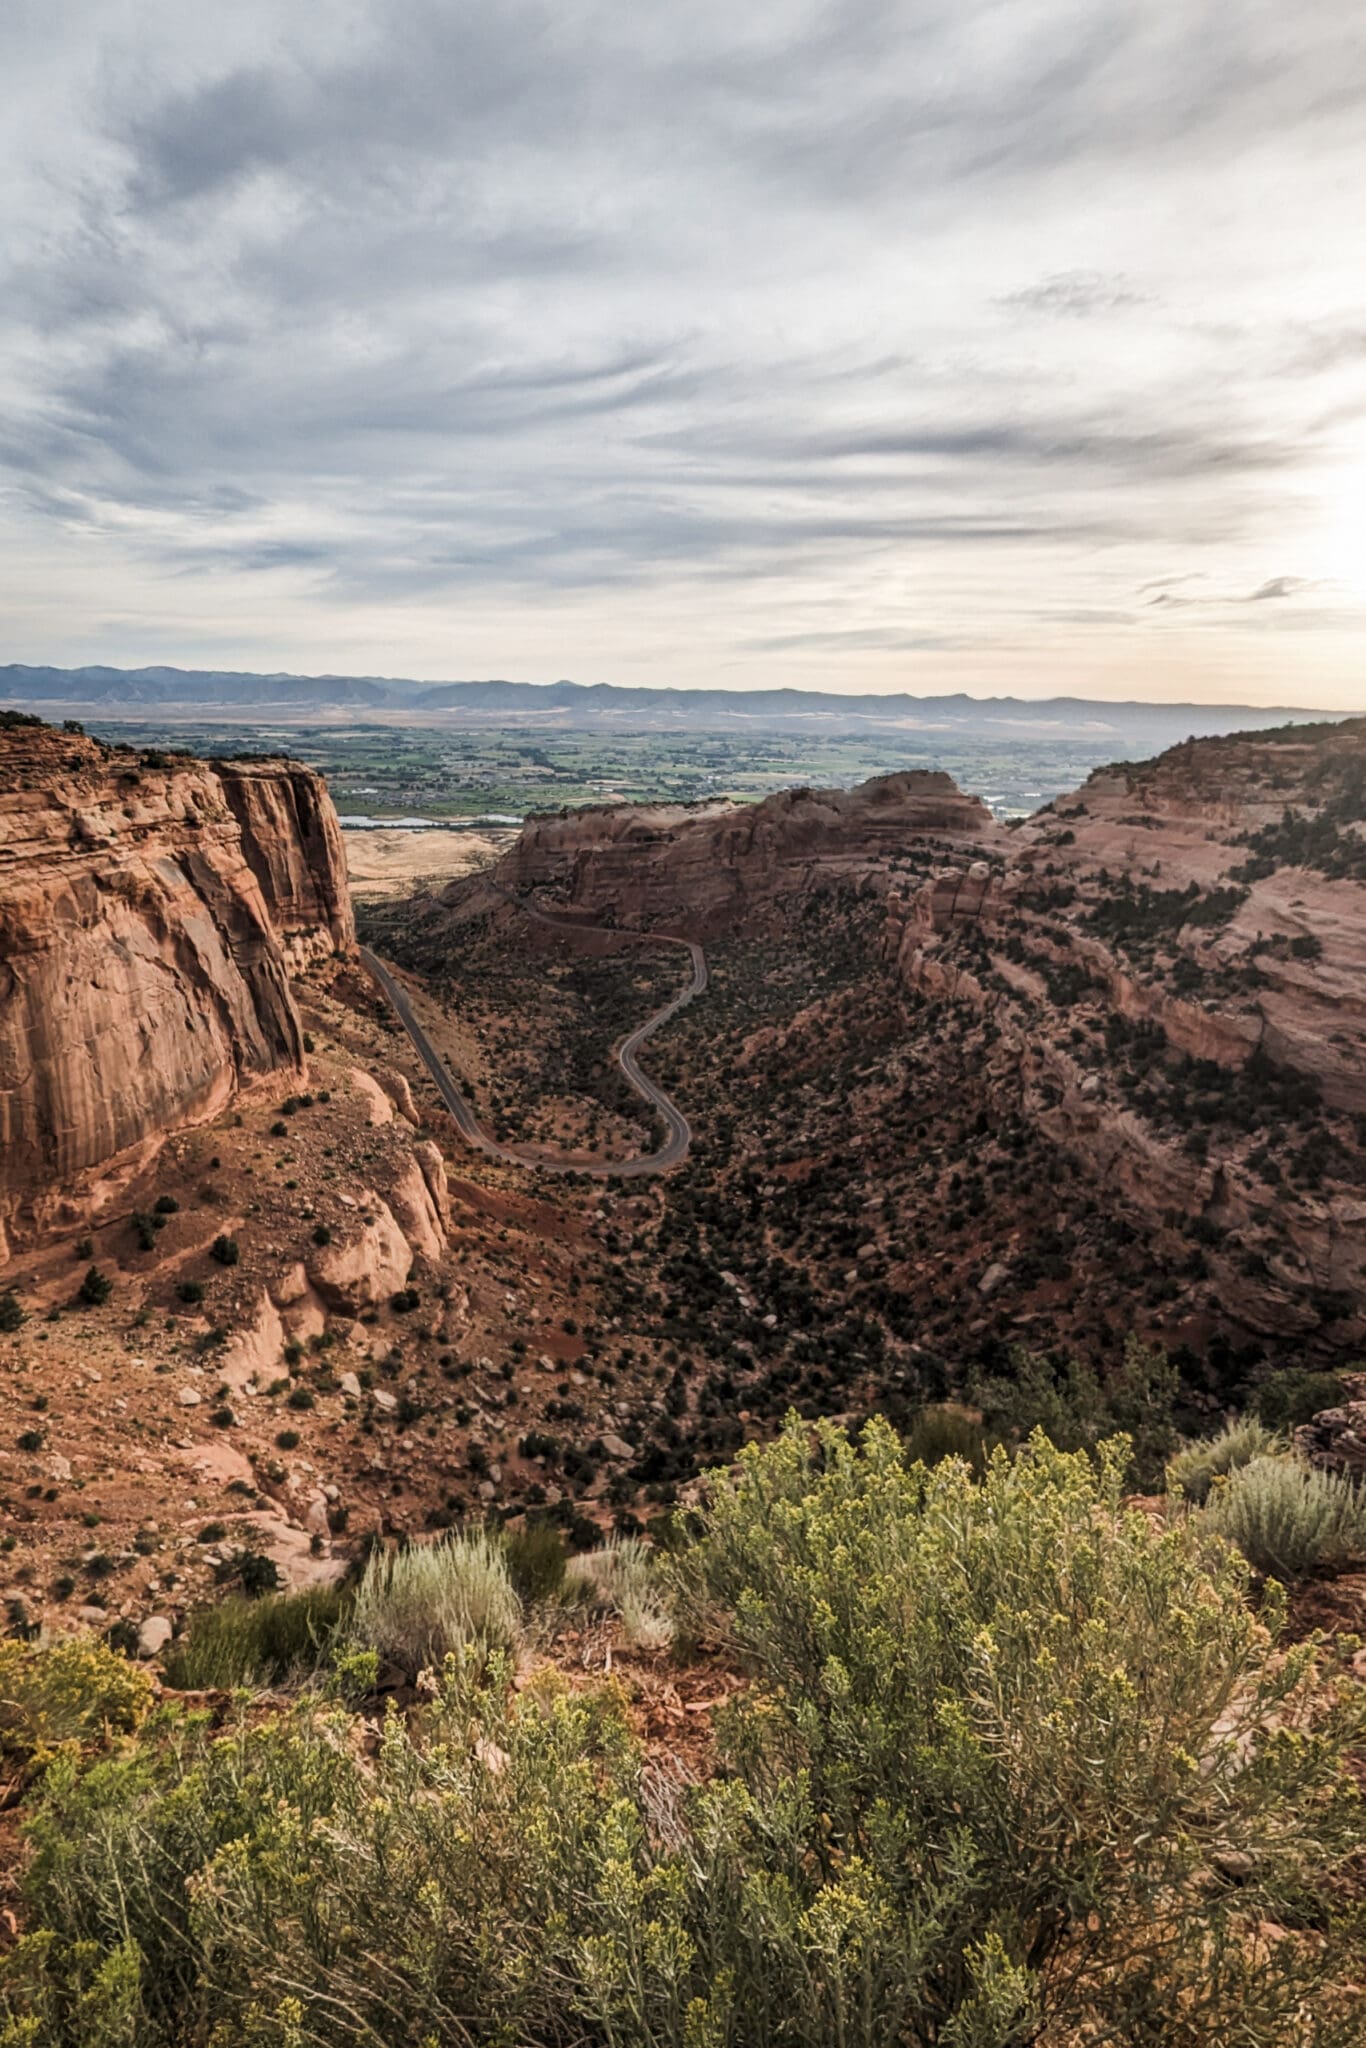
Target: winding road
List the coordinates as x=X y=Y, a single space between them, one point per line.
x=679 y=1130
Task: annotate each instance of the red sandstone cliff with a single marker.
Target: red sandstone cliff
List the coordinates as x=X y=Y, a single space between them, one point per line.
x=704 y=867
x=150 y=909
x=293 y=846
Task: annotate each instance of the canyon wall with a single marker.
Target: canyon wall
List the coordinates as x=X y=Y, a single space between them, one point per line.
x=704 y=868
x=293 y=845
x=151 y=908
x=1171 y=967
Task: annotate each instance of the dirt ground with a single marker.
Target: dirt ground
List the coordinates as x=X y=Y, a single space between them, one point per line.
x=394 y=863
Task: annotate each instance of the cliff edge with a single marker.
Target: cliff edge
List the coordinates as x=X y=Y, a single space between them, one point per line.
x=152 y=908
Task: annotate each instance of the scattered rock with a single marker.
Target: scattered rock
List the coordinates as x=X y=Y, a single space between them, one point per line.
x=154 y=1634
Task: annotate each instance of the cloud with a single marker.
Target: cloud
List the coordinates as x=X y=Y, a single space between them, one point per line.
x=1076 y=294
x=597 y=331
x=1275 y=587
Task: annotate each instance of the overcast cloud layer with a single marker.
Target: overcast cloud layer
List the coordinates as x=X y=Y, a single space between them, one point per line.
x=935 y=345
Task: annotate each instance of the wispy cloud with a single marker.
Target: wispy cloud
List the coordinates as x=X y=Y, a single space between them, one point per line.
x=428 y=335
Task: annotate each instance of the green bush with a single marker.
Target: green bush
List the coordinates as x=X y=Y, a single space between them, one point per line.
x=415 y=1606
x=73 y=1690
x=190 y=1291
x=536 y=1560
x=95 y=1289
x=1289 y=1520
x=12 y=1315
x=1289 y=1398
x=1076 y=1409
x=1016 y=1770
x=1196 y=1466
x=269 y=1642
x=251 y=1570
x=225 y=1250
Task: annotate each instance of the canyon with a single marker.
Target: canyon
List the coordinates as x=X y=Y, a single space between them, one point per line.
x=712 y=867
x=1164 y=975
x=960 y=1093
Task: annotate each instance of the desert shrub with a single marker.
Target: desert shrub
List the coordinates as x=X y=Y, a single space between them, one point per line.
x=95 y=1289
x=1289 y=1398
x=1020 y=1700
x=73 y=1690
x=250 y=1570
x=225 y=1250
x=268 y=1888
x=414 y=1606
x=12 y=1316
x=943 y=1431
x=1016 y=1768
x=271 y=1641
x=190 y=1291
x=165 y=1205
x=536 y=1560
x=1289 y=1520
x=1076 y=1408
x=618 y=1579
x=1196 y=1466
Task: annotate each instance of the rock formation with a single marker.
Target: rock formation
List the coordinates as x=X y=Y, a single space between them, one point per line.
x=293 y=846
x=705 y=867
x=151 y=909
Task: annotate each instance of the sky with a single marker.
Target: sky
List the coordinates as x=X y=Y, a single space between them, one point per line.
x=936 y=345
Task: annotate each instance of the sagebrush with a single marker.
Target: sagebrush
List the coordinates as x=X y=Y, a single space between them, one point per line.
x=415 y=1606
x=1015 y=1766
x=1290 y=1520
x=1196 y=1466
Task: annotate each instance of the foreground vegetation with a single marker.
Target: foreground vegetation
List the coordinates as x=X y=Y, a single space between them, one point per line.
x=1016 y=1763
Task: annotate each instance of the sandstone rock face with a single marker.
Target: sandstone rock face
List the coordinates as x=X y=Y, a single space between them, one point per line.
x=416 y=1212
x=701 y=868
x=368 y=1265
x=1335 y=1440
x=145 y=944
x=293 y=845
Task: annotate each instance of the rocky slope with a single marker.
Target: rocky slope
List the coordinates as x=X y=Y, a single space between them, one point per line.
x=1171 y=967
x=707 y=867
x=151 y=909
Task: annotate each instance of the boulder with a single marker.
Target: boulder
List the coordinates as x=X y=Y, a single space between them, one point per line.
x=154 y=1634
x=365 y=1267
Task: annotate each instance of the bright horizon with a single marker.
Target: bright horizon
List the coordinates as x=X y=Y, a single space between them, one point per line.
x=995 y=349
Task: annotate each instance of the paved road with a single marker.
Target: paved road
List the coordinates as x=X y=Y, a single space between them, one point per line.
x=679 y=1130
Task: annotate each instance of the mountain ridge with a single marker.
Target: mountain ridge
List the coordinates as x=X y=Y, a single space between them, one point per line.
x=174 y=689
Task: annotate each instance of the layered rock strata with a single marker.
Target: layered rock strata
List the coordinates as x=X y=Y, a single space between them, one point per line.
x=704 y=868
x=151 y=908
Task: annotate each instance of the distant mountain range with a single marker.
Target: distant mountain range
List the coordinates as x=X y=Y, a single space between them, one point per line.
x=202 y=692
